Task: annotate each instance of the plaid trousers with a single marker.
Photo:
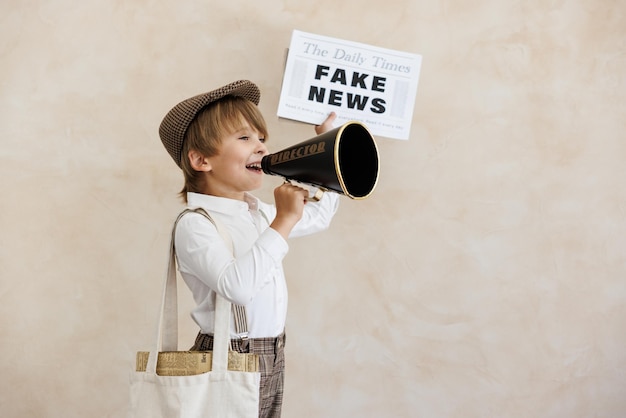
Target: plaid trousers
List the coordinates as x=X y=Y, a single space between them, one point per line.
x=271 y=353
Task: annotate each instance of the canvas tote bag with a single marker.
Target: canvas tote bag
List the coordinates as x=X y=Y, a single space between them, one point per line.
x=220 y=392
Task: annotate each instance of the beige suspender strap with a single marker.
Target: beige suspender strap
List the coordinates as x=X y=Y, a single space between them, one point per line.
x=239 y=312
x=241 y=321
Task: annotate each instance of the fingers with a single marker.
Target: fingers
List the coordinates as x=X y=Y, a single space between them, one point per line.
x=327 y=125
x=289 y=196
x=290 y=200
x=289 y=188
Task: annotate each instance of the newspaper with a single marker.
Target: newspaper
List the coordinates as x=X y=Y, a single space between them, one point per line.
x=360 y=82
x=188 y=363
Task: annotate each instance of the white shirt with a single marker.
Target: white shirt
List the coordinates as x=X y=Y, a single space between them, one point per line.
x=254 y=277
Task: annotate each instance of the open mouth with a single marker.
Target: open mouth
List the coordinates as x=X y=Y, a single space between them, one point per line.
x=254 y=167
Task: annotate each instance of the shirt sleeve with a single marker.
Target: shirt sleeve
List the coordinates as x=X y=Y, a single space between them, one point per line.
x=316 y=217
x=202 y=253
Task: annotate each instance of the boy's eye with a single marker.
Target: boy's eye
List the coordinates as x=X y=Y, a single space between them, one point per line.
x=245 y=138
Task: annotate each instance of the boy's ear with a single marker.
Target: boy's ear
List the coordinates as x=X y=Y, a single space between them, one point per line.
x=198 y=161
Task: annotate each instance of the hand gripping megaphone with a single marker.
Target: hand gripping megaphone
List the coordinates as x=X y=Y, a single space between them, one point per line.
x=344 y=160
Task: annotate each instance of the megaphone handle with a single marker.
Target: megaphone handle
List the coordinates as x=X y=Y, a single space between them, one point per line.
x=317 y=196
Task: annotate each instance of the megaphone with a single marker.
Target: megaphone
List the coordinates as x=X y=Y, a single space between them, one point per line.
x=344 y=160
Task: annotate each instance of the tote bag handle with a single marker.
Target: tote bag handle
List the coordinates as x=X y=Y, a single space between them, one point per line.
x=167 y=328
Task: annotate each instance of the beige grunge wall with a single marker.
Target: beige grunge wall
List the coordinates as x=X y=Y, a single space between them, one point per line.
x=485 y=277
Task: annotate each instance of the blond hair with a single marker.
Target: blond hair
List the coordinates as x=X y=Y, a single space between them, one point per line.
x=216 y=121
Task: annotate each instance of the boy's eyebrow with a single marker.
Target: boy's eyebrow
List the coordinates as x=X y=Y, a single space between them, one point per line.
x=247 y=129
x=243 y=130
x=244 y=126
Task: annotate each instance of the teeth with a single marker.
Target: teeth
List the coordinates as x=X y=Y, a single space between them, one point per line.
x=255 y=166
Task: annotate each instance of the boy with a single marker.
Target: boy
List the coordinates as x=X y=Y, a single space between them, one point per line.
x=218 y=140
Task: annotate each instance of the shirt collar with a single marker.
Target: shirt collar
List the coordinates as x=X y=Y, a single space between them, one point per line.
x=222 y=204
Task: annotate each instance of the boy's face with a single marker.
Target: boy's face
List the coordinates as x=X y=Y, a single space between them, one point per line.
x=236 y=168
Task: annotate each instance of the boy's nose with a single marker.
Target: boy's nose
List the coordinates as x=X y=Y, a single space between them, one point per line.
x=262 y=149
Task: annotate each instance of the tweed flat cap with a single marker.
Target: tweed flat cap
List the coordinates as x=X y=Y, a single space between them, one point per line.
x=176 y=122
